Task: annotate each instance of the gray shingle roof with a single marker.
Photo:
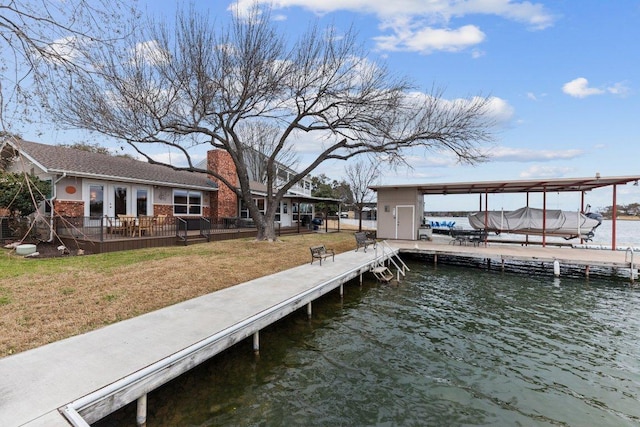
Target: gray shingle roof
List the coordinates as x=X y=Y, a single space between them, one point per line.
x=57 y=159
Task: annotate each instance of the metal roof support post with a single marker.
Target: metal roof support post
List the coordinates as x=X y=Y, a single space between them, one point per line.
x=486 y=209
x=486 y=214
x=582 y=211
x=544 y=218
x=614 y=219
x=526 y=237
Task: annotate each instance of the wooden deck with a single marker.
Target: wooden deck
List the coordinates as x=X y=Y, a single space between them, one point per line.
x=122 y=243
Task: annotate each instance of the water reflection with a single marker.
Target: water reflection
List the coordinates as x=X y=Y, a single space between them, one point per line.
x=448 y=346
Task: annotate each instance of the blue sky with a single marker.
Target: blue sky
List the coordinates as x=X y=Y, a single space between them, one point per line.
x=565 y=73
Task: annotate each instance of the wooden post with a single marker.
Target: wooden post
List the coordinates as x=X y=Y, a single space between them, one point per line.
x=586 y=271
x=141 y=412
x=341 y=290
x=309 y=310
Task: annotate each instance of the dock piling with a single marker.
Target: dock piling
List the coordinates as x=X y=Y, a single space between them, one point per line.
x=256 y=341
x=141 y=411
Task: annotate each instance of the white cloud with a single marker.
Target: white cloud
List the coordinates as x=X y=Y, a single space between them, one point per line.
x=579 y=88
x=500 y=110
x=427 y=40
x=420 y=25
x=174 y=157
x=150 y=52
x=66 y=49
x=619 y=88
x=533 y=14
x=506 y=154
x=546 y=172
x=476 y=53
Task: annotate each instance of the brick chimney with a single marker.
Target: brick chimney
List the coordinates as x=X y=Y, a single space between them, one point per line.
x=224 y=201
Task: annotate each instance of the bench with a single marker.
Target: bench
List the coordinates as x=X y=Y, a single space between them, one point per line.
x=320 y=252
x=468 y=236
x=363 y=240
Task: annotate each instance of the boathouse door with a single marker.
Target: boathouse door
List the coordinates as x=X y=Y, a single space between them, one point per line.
x=405 y=227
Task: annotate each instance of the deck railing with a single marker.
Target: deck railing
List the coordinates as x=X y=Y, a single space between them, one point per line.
x=129 y=227
x=111 y=228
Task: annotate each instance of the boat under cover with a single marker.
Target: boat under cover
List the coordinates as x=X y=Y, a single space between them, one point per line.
x=567 y=224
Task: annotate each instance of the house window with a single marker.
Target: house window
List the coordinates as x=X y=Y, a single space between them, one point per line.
x=96 y=201
x=45 y=205
x=187 y=202
x=141 y=201
x=120 y=198
x=305 y=211
x=281 y=211
x=244 y=210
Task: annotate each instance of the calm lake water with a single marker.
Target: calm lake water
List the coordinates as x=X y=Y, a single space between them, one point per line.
x=448 y=346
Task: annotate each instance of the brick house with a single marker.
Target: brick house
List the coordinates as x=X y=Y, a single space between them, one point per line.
x=96 y=186
x=93 y=185
x=297 y=206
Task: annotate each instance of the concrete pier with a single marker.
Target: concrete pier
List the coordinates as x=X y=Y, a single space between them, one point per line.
x=81 y=379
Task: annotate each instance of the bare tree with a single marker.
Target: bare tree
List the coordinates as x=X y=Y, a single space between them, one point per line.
x=199 y=83
x=261 y=140
x=36 y=38
x=38 y=34
x=360 y=176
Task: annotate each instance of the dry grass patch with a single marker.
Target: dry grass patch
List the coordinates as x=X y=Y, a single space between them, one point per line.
x=48 y=300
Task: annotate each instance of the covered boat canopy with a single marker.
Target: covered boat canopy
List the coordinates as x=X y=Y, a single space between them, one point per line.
x=528 y=220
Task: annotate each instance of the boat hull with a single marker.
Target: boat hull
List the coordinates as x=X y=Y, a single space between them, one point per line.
x=526 y=220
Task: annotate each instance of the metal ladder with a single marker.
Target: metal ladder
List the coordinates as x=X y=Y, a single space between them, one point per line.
x=381 y=271
x=631 y=264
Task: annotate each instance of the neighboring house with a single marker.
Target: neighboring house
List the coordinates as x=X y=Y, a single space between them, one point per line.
x=297 y=206
x=93 y=185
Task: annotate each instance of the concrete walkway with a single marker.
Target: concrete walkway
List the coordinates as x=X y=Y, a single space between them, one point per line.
x=36 y=384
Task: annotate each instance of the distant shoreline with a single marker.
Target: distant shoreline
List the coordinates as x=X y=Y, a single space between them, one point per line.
x=462 y=214
x=627 y=218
